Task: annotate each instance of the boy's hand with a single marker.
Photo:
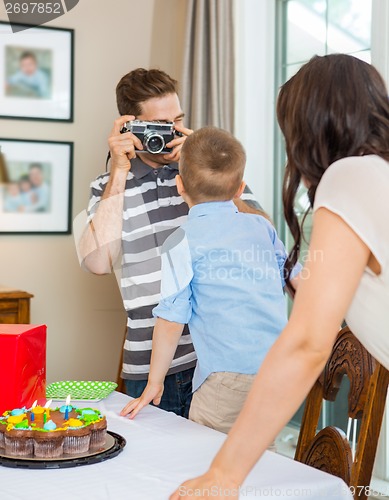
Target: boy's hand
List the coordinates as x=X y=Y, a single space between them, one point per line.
x=177 y=143
x=152 y=392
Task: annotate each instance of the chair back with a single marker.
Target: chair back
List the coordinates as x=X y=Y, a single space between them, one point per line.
x=329 y=450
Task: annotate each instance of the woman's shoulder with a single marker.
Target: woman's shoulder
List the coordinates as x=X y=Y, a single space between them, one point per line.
x=357 y=167
x=356 y=190
x=355 y=175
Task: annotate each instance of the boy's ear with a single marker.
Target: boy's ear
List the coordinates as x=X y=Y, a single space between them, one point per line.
x=180 y=185
x=240 y=190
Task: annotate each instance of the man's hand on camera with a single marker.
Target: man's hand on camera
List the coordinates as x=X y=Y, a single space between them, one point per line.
x=177 y=143
x=122 y=146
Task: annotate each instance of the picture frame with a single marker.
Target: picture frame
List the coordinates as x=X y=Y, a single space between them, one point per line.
x=36 y=192
x=36 y=78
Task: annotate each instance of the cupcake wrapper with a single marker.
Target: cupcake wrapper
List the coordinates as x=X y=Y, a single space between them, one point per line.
x=19 y=447
x=48 y=449
x=97 y=438
x=76 y=444
x=2 y=440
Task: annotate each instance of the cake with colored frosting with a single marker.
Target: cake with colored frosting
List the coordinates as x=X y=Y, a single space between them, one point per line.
x=51 y=433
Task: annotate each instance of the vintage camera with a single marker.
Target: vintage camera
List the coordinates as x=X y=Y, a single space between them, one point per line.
x=154 y=135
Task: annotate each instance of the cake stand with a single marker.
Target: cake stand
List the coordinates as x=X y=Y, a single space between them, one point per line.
x=114 y=445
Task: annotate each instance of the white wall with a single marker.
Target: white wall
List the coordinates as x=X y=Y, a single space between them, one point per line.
x=84 y=312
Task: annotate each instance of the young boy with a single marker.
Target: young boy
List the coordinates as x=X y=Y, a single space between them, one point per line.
x=222 y=273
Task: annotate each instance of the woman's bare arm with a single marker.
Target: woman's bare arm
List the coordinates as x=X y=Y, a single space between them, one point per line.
x=338 y=260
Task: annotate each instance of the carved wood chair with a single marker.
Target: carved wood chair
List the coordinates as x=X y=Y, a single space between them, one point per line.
x=329 y=450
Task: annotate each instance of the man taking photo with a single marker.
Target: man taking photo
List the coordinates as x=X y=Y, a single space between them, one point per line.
x=132 y=210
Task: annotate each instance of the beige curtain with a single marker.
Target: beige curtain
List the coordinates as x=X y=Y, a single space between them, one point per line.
x=208 y=67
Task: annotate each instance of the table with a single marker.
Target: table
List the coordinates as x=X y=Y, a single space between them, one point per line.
x=14 y=306
x=162 y=451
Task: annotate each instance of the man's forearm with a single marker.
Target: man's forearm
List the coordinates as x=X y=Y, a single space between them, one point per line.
x=166 y=336
x=100 y=242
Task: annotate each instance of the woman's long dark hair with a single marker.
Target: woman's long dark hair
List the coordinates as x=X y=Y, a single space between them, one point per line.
x=335 y=106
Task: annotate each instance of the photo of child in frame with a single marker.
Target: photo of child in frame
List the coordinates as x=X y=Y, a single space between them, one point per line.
x=28 y=72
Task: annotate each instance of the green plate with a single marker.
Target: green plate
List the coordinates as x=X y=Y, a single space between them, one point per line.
x=80 y=390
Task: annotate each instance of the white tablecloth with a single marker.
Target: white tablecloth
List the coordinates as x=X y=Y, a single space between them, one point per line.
x=162 y=450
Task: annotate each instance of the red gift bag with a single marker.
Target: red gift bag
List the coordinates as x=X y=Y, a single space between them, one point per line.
x=22 y=365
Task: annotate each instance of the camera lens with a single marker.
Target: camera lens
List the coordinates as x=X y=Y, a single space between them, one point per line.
x=154 y=143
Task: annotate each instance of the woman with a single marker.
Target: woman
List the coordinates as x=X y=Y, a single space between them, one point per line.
x=334 y=114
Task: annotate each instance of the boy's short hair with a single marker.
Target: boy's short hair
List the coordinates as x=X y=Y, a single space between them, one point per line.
x=27 y=55
x=139 y=86
x=24 y=178
x=212 y=165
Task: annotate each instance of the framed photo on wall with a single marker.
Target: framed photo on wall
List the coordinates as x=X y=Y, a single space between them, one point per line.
x=36 y=73
x=36 y=189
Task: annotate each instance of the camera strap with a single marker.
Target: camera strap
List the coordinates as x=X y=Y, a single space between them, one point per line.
x=107 y=161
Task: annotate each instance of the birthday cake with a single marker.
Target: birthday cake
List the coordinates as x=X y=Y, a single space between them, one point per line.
x=51 y=433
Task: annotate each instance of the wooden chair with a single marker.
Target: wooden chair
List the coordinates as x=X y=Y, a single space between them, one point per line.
x=329 y=450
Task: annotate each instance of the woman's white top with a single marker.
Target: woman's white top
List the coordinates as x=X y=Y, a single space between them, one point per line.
x=357 y=189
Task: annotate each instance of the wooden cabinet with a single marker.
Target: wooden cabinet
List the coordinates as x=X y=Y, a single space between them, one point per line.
x=14 y=306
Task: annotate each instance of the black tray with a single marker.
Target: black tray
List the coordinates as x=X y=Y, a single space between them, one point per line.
x=117 y=443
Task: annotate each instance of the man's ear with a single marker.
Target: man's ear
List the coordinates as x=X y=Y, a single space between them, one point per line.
x=240 y=190
x=180 y=185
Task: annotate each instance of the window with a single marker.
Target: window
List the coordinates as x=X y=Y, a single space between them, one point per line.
x=306 y=28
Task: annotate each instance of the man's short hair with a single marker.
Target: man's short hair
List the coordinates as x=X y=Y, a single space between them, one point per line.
x=212 y=165
x=139 y=86
x=35 y=165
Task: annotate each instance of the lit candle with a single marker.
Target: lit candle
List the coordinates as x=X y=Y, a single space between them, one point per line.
x=32 y=414
x=67 y=407
x=47 y=412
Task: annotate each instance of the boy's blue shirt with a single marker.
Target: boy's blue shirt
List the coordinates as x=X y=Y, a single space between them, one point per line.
x=222 y=273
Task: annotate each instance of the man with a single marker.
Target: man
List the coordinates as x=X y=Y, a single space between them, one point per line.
x=40 y=201
x=132 y=210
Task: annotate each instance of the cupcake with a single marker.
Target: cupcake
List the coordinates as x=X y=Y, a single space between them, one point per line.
x=48 y=442
x=18 y=440
x=77 y=437
x=97 y=424
x=3 y=426
x=98 y=433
